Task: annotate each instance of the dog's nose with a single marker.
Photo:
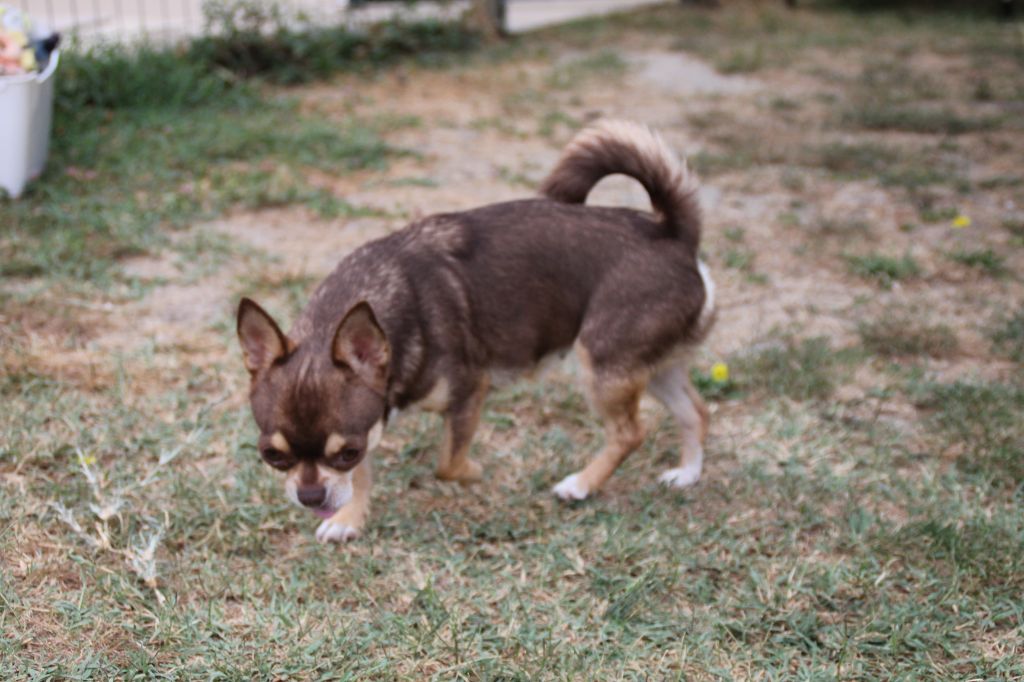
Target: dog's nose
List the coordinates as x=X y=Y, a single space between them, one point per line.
x=312 y=495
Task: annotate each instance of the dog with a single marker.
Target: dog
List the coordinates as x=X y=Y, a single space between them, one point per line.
x=426 y=315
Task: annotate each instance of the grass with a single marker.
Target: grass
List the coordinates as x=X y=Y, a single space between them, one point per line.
x=687 y=584
x=983 y=422
x=910 y=169
x=858 y=518
x=887 y=116
x=152 y=137
x=801 y=370
x=986 y=260
x=575 y=72
x=112 y=187
x=742 y=60
x=883 y=269
x=1007 y=335
x=854 y=160
x=898 y=333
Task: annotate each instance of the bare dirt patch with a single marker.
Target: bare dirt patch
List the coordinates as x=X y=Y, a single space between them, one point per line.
x=485 y=133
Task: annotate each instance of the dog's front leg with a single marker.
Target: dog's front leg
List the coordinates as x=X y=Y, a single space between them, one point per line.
x=460 y=422
x=347 y=523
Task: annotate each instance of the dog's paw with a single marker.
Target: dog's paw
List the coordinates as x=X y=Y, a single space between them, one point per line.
x=335 y=531
x=681 y=477
x=571 y=488
x=470 y=471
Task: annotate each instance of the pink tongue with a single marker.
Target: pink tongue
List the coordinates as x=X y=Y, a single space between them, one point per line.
x=324 y=513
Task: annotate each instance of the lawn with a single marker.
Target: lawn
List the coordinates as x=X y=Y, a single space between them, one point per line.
x=861 y=514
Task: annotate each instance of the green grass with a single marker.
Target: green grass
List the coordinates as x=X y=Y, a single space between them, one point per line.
x=112 y=187
x=576 y=72
x=893 y=167
x=883 y=269
x=899 y=333
x=278 y=50
x=1007 y=335
x=986 y=260
x=887 y=116
x=149 y=138
x=854 y=160
x=801 y=370
x=447 y=581
x=983 y=423
x=747 y=59
x=892 y=95
x=1016 y=230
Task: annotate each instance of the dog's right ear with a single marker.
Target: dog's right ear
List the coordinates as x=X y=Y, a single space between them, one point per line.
x=261 y=338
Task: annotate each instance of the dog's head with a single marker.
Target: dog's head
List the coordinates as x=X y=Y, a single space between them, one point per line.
x=319 y=404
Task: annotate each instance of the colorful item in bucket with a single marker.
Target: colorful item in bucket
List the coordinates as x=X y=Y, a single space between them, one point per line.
x=23 y=48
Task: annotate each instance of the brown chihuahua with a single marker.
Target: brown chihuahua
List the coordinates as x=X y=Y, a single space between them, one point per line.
x=424 y=316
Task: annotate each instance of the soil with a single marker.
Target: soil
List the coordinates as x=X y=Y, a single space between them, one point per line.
x=477 y=135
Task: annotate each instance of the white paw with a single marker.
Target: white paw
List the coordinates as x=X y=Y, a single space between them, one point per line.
x=681 y=477
x=332 y=531
x=571 y=488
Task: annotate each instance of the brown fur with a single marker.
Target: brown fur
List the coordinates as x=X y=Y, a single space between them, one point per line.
x=454 y=297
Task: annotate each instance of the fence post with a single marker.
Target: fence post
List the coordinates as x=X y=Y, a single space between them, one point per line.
x=488 y=16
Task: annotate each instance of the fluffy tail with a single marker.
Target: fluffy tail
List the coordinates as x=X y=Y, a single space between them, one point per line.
x=635 y=150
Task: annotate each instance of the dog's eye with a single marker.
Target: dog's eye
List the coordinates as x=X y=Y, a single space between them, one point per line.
x=346 y=458
x=276 y=458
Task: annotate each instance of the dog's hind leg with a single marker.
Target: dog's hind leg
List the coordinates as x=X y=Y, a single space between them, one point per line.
x=671 y=386
x=460 y=422
x=616 y=398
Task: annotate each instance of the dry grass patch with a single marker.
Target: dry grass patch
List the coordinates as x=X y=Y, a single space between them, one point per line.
x=902 y=331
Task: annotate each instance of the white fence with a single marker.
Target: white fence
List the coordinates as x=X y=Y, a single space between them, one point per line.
x=93 y=21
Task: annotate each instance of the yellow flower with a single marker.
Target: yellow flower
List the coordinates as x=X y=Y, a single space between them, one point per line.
x=720 y=372
x=88 y=460
x=961 y=221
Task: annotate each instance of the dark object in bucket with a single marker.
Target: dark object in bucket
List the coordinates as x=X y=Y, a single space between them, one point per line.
x=24 y=48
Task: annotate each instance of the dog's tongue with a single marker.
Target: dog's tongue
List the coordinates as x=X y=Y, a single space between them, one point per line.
x=324 y=512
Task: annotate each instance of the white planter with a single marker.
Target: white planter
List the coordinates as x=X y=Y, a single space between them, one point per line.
x=26 y=107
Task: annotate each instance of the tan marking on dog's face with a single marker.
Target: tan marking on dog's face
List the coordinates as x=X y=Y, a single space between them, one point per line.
x=280 y=442
x=373 y=438
x=291 y=486
x=335 y=442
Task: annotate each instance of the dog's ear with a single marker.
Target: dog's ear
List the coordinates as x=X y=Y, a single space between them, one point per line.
x=261 y=338
x=360 y=345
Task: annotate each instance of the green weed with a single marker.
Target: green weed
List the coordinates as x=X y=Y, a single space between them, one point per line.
x=1007 y=335
x=897 y=333
x=575 y=72
x=986 y=260
x=801 y=370
x=933 y=121
x=854 y=160
x=883 y=269
x=742 y=60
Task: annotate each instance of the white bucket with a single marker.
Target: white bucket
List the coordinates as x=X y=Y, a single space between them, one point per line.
x=26 y=107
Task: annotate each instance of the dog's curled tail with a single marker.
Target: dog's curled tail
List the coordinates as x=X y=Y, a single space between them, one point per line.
x=612 y=146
